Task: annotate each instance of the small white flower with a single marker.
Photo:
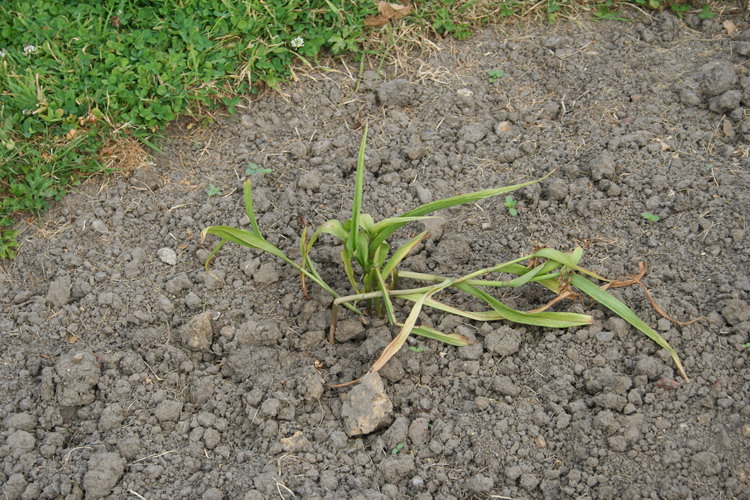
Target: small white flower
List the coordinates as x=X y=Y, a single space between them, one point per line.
x=29 y=49
x=297 y=42
x=3 y=53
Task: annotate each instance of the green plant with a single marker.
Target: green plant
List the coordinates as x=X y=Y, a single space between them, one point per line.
x=398 y=448
x=650 y=217
x=706 y=13
x=213 y=190
x=253 y=168
x=495 y=75
x=679 y=9
x=510 y=204
x=373 y=272
x=416 y=349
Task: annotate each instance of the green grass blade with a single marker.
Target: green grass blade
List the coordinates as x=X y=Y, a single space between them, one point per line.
x=401 y=253
x=447 y=338
x=352 y=240
x=247 y=188
x=618 y=307
x=386 y=297
x=545 y=319
x=434 y=206
x=246 y=239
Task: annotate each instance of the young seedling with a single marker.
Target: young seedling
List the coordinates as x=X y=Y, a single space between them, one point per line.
x=213 y=190
x=372 y=270
x=253 y=168
x=495 y=75
x=416 y=349
x=651 y=217
x=398 y=448
x=510 y=204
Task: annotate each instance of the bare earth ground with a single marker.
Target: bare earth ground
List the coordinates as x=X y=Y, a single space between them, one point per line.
x=103 y=397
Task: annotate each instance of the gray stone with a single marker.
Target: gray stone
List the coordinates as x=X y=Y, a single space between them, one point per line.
x=480 y=484
x=555 y=189
x=167 y=255
x=503 y=341
x=399 y=92
x=105 y=471
x=20 y=442
x=395 y=469
x=21 y=421
x=168 y=411
x=725 y=102
x=366 y=408
x=267 y=274
x=504 y=385
x=473 y=132
x=419 y=431
x=716 y=77
x=77 y=376
x=603 y=166
x=706 y=463
x=650 y=366
x=197 y=334
x=58 y=293
x=256 y=332
x=736 y=311
x=310 y=180
x=347 y=330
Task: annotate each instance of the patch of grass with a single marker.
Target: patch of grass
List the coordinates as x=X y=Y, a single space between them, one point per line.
x=76 y=77
x=372 y=268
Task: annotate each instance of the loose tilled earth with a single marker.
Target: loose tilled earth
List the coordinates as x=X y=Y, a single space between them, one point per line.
x=128 y=371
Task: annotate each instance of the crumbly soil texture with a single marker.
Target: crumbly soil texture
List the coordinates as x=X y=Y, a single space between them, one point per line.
x=129 y=371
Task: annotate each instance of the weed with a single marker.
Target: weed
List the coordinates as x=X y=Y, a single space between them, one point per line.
x=416 y=349
x=495 y=75
x=377 y=282
x=510 y=204
x=398 y=448
x=213 y=190
x=650 y=217
x=706 y=13
x=253 y=168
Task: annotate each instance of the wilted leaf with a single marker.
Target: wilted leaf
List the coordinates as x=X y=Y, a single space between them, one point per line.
x=729 y=26
x=386 y=12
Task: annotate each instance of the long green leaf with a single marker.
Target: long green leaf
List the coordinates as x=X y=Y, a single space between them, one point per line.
x=352 y=241
x=447 y=338
x=247 y=188
x=401 y=253
x=545 y=319
x=618 y=307
x=434 y=206
x=246 y=239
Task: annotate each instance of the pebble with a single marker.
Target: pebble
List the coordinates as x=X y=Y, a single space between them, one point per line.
x=167 y=255
x=367 y=407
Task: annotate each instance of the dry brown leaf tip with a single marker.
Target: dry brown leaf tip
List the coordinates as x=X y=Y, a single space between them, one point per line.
x=386 y=12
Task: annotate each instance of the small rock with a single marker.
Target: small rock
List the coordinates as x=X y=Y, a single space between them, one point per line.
x=650 y=366
x=167 y=255
x=396 y=469
x=706 y=463
x=267 y=274
x=399 y=92
x=295 y=442
x=168 y=411
x=211 y=438
x=556 y=189
x=77 y=376
x=99 y=226
x=717 y=77
x=725 y=102
x=464 y=92
x=255 y=332
x=504 y=385
x=472 y=133
x=298 y=149
x=348 y=330
x=310 y=180
x=58 y=293
x=20 y=442
x=736 y=311
x=105 y=471
x=419 y=431
x=503 y=341
x=603 y=166
x=366 y=408
x=480 y=484
x=197 y=334
x=503 y=128
x=424 y=195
